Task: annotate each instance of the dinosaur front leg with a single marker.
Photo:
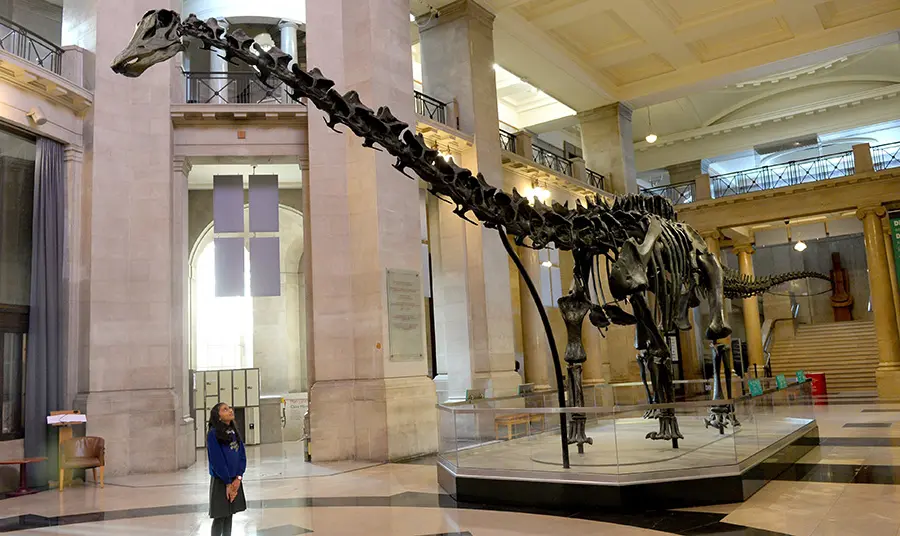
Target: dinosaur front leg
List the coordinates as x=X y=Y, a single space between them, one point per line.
x=711 y=277
x=574 y=307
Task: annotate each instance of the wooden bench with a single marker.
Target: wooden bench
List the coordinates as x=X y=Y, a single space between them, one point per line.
x=510 y=421
x=23 y=475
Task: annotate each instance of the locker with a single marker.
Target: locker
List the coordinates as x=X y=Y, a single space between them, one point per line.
x=200 y=417
x=211 y=401
x=212 y=383
x=253 y=387
x=197 y=386
x=239 y=389
x=251 y=426
x=225 y=393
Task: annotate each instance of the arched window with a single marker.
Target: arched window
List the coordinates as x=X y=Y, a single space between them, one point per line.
x=224 y=325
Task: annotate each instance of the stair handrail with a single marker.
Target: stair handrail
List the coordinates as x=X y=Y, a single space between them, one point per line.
x=769 y=336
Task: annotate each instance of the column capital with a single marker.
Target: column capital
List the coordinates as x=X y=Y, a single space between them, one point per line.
x=743 y=248
x=605 y=112
x=456 y=10
x=877 y=210
x=181 y=165
x=73 y=153
x=715 y=234
x=284 y=23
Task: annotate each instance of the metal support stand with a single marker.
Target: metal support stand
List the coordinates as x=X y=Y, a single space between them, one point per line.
x=557 y=367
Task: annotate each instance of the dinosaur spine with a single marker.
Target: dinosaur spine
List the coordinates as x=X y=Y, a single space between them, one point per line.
x=738 y=285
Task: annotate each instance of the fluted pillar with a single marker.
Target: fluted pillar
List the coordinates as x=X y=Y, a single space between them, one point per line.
x=752 y=326
x=889 y=251
x=887 y=374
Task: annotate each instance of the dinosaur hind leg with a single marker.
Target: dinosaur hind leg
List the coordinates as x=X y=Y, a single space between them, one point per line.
x=711 y=276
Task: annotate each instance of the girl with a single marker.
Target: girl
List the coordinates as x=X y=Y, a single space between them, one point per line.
x=227 y=462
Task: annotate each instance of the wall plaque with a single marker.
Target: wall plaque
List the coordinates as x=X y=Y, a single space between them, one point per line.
x=405 y=323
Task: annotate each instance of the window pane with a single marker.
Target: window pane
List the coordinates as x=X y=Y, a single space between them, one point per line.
x=546 y=292
x=543 y=255
x=12 y=349
x=554 y=256
x=556 y=284
x=17 y=156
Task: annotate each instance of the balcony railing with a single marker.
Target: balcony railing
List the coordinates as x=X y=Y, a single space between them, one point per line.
x=595 y=179
x=886 y=156
x=430 y=107
x=507 y=141
x=17 y=40
x=677 y=194
x=232 y=88
x=551 y=160
x=820 y=168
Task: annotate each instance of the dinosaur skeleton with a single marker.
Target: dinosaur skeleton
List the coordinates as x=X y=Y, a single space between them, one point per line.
x=661 y=267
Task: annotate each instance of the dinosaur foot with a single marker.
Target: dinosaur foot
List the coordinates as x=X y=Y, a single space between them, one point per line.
x=652 y=414
x=668 y=429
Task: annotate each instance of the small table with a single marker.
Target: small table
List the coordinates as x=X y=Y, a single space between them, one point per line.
x=23 y=475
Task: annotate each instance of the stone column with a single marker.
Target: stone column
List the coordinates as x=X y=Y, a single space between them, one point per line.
x=889 y=252
x=457 y=63
x=538 y=361
x=684 y=172
x=219 y=67
x=752 y=325
x=362 y=219
x=702 y=187
x=524 y=147
x=132 y=348
x=862 y=158
x=608 y=146
x=887 y=374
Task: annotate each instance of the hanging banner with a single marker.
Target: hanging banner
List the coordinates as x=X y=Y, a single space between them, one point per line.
x=895 y=241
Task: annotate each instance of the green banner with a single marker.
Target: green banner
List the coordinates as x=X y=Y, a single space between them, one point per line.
x=801 y=376
x=895 y=240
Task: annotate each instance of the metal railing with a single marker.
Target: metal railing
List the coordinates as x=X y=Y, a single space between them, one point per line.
x=232 y=88
x=507 y=141
x=430 y=107
x=886 y=156
x=815 y=169
x=595 y=179
x=677 y=194
x=29 y=46
x=551 y=160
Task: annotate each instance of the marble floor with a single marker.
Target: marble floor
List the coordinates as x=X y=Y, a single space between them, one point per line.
x=849 y=485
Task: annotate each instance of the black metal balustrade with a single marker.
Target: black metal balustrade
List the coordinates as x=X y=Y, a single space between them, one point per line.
x=677 y=194
x=430 y=107
x=29 y=46
x=595 y=179
x=886 y=156
x=507 y=141
x=232 y=88
x=551 y=160
x=815 y=169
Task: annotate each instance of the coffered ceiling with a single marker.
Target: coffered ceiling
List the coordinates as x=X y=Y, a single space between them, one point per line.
x=590 y=52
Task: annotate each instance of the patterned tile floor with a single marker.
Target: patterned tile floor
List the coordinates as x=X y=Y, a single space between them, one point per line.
x=847 y=486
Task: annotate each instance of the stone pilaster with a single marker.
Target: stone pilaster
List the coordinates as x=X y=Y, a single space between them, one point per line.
x=887 y=375
x=608 y=145
x=457 y=65
x=77 y=274
x=363 y=219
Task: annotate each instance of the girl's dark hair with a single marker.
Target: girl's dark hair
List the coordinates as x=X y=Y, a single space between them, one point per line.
x=220 y=428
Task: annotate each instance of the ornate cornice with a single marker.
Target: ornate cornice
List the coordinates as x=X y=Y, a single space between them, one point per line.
x=181 y=165
x=73 y=153
x=48 y=85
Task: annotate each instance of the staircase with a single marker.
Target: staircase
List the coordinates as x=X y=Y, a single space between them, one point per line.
x=847 y=352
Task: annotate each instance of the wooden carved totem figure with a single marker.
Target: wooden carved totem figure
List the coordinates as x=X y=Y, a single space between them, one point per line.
x=841 y=300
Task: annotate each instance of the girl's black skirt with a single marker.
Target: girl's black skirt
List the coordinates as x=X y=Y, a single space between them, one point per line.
x=218 y=499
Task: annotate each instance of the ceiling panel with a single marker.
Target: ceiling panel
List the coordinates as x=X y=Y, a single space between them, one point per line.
x=638 y=69
x=839 y=12
x=742 y=39
x=683 y=13
x=597 y=34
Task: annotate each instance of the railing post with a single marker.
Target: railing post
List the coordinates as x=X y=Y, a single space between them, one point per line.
x=579 y=170
x=453 y=113
x=73 y=65
x=862 y=158
x=702 y=187
x=523 y=145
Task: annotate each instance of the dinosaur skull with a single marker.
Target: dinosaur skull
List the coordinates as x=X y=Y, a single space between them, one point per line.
x=155 y=40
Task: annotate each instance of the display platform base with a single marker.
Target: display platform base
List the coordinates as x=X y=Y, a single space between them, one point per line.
x=574 y=489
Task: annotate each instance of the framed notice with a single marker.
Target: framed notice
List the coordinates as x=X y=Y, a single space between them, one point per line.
x=755 y=387
x=781 y=381
x=405 y=323
x=895 y=242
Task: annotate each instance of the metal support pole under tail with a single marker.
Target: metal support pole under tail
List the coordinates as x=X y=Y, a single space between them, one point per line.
x=557 y=367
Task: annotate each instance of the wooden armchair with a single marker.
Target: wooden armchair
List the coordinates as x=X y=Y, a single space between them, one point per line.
x=82 y=453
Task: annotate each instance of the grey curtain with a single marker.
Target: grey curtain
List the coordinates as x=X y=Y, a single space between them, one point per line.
x=45 y=356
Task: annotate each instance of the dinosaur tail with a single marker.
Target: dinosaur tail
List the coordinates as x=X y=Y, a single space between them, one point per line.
x=742 y=286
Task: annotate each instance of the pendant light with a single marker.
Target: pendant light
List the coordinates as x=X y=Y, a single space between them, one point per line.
x=651 y=137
